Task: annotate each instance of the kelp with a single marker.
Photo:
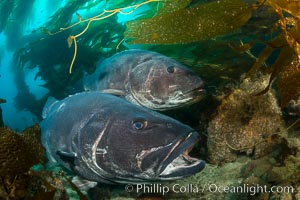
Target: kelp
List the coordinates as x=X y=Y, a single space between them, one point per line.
x=186 y=25
x=172 y=6
x=102 y=36
x=290 y=6
x=264 y=55
x=101 y=40
x=289 y=83
x=291 y=34
x=277 y=33
x=287 y=42
x=52 y=66
x=282 y=61
x=6 y=7
x=13 y=16
x=72 y=39
x=98 y=38
x=63 y=16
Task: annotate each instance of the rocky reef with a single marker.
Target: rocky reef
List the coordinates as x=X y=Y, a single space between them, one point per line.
x=16 y=149
x=245 y=123
x=18 y=180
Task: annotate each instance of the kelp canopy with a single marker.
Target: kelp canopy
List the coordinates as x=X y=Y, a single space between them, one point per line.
x=221 y=40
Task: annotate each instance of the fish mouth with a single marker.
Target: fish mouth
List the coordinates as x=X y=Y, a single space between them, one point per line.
x=178 y=164
x=197 y=91
x=189 y=96
x=183 y=98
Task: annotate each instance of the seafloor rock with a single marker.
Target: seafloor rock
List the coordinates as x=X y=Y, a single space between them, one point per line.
x=205 y=185
x=18 y=152
x=245 y=123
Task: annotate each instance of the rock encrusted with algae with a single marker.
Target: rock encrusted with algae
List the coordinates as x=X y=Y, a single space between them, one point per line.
x=19 y=179
x=207 y=180
x=245 y=123
x=18 y=152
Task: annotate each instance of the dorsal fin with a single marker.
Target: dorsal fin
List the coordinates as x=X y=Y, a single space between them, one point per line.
x=49 y=104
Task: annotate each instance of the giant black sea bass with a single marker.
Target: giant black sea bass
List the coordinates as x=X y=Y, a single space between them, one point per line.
x=147 y=78
x=107 y=139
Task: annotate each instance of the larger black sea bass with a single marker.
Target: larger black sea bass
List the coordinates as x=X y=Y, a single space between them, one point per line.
x=107 y=139
x=147 y=78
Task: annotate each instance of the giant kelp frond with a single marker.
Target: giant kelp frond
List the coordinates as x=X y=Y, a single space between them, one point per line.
x=286 y=41
x=63 y=16
x=186 y=25
x=288 y=83
x=170 y=6
x=291 y=7
x=283 y=60
x=291 y=34
x=98 y=38
x=72 y=39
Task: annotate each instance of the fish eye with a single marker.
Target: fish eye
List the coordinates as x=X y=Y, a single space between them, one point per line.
x=138 y=125
x=170 y=69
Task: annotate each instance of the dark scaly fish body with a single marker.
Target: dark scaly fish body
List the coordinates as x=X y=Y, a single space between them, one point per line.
x=147 y=78
x=107 y=139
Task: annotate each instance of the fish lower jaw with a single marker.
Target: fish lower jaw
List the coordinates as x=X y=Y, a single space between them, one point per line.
x=180 y=164
x=178 y=101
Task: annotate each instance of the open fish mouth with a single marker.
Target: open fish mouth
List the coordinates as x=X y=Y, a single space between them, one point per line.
x=178 y=163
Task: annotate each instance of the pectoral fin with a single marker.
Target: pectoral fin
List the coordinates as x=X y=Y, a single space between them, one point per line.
x=67 y=157
x=83 y=184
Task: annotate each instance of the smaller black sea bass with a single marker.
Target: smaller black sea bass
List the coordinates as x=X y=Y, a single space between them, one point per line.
x=107 y=139
x=147 y=78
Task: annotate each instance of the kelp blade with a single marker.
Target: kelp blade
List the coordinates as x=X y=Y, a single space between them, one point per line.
x=188 y=25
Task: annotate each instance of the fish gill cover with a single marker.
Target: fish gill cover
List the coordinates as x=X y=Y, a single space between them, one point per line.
x=263 y=37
